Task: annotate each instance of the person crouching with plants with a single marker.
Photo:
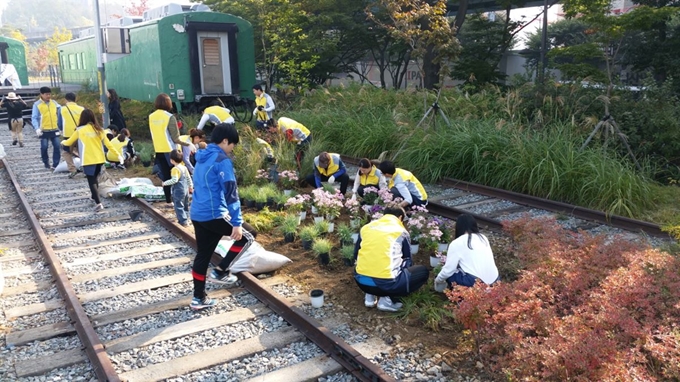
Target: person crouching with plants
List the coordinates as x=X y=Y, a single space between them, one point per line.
x=182 y=186
x=403 y=184
x=468 y=259
x=367 y=176
x=329 y=168
x=384 y=267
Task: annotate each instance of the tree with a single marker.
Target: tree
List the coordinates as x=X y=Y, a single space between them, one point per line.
x=137 y=8
x=60 y=35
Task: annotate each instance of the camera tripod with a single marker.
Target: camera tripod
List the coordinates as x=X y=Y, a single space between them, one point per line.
x=432 y=114
x=610 y=125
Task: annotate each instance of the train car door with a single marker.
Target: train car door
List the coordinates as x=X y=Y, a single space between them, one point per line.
x=214 y=62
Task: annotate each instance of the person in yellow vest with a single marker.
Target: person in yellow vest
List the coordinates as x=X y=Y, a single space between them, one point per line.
x=367 y=176
x=329 y=168
x=384 y=267
x=216 y=113
x=165 y=137
x=124 y=145
x=264 y=107
x=70 y=115
x=294 y=132
x=91 y=139
x=404 y=184
x=47 y=122
x=186 y=152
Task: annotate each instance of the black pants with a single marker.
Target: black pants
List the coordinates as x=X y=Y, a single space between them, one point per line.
x=163 y=162
x=361 y=189
x=417 y=278
x=300 y=151
x=343 y=179
x=93 y=182
x=416 y=201
x=208 y=235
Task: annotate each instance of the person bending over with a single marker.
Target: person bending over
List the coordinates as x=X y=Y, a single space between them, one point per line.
x=216 y=113
x=367 y=176
x=468 y=259
x=383 y=262
x=216 y=212
x=329 y=168
x=294 y=132
x=403 y=184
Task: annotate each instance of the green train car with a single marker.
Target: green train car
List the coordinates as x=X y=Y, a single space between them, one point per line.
x=13 y=52
x=194 y=56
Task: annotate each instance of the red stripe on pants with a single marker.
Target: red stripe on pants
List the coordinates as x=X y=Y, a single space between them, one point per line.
x=197 y=276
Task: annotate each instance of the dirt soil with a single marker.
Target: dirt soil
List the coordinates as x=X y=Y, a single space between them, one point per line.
x=451 y=342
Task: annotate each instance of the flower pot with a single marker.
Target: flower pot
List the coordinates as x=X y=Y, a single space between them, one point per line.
x=146 y=163
x=324 y=258
x=443 y=247
x=288 y=237
x=318 y=219
x=354 y=223
x=271 y=202
x=414 y=248
x=434 y=261
x=250 y=203
x=330 y=217
x=260 y=205
x=315 y=210
x=303 y=215
x=346 y=243
x=348 y=262
x=307 y=244
x=316 y=298
x=331 y=227
x=287 y=192
x=355 y=237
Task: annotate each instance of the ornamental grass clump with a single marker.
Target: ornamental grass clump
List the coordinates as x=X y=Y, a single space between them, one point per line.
x=585 y=307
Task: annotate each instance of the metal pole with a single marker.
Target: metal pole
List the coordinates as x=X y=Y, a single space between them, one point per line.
x=101 y=78
x=544 y=41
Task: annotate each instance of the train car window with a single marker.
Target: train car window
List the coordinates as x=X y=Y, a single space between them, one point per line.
x=71 y=61
x=211 y=52
x=82 y=60
x=78 y=63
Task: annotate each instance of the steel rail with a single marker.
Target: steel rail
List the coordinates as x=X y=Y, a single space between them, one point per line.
x=551 y=205
x=334 y=346
x=94 y=348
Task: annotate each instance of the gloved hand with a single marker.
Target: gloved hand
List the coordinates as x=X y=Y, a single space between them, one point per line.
x=354 y=197
x=255 y=111
x=192 y=147
x=440 y=285
x=38 y=132
x=260 y=108
x=331 y=179
x=57 y=133
x=121 y=160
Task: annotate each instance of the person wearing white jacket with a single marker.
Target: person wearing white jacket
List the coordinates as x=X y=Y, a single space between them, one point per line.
x=468 y=259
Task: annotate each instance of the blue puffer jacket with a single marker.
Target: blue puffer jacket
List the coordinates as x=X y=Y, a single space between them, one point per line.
x=215 y=191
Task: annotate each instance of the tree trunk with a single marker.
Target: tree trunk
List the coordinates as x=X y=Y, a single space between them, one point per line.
x=430 y=69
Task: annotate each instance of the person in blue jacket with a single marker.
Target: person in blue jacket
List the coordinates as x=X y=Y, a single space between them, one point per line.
x=216 y=212
x=328 y=167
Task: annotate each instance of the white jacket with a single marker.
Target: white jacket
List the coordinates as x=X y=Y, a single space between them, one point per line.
x=477 y=261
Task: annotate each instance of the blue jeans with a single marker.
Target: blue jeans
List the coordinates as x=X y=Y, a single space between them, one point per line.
x=180 y=197
x=45 y=139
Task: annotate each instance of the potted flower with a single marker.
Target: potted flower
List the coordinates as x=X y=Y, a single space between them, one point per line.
x=347 y=254
x=345 y=234
x=430 y=236
x=322 y=247
x=297 y=204
x=385 y=197
x=327 y=204
x=288 y=180
x=289 y=228
x=307 y=236
x=354 y=210
x=262 y=177
x=447 y=227
x=370 y=196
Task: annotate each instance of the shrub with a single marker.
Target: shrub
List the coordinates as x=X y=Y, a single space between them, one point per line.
x=322 y=246
x=289 y=225
x=585 y=308
x=344 y=232
x=309 y=233
x=347 y=252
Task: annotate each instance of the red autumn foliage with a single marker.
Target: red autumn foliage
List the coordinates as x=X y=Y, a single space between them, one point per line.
x=583 y=308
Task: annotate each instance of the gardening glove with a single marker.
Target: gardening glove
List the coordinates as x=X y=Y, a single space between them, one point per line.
x=331 y=179
x=192 y=147
x=121 y=159
x=440 y=285
x=354 y=197
x=260 y=108
x=38 y=132
x=255 y=111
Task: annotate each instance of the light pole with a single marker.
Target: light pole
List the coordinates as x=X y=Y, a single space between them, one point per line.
x=101 y=77
x=544 y=41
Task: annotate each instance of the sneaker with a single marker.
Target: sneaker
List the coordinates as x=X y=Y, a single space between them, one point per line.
x=386 y=305
x=98 y=207
x=21 y=144
x=198 y=304
x=47 y=166
x=72 y=174
x=224 y=277
x=370 y=301
x=14 y=142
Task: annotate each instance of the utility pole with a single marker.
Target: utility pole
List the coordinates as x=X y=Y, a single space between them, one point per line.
x=544 y=42
x=101 y=77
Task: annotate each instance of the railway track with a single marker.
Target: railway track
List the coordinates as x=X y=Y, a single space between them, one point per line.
x=491 y=206
x=97 y=295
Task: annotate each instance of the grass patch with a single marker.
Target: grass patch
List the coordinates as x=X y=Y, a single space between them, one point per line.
x=426 y=306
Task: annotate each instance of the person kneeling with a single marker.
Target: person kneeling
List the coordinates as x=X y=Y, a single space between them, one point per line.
x=468 y=259
x=329 y=168
x=403 y=184
x=383 y=262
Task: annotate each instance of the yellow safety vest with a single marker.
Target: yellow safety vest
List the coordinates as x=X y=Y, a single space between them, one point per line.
x=48 y=116
x=289 y=124
x=380 y=252
x=218 y=111
x=120 y=146
x=333 y=165
x=407 y=176
x=371 y=178
x=90 y=145
x=183 y=138
x=70 y=117
x=158 y=124
x=265 y=147
x=261 y=115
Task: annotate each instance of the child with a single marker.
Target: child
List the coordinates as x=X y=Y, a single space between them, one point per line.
x=182 y=186
x=124 y=145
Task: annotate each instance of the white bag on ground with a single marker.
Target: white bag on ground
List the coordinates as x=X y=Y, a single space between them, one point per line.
x=255 y=259
x=63 y=167
x=147 y=192
x=2 y=152
x=125 y=184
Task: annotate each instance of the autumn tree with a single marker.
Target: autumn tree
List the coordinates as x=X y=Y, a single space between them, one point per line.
x=60 y=35
x=137 y=8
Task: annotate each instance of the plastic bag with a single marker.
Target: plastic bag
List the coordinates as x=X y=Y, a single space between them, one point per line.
x=63 y=167
x=147 y=192
x=2 y=152
x=255 y=259
x=125 y=184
